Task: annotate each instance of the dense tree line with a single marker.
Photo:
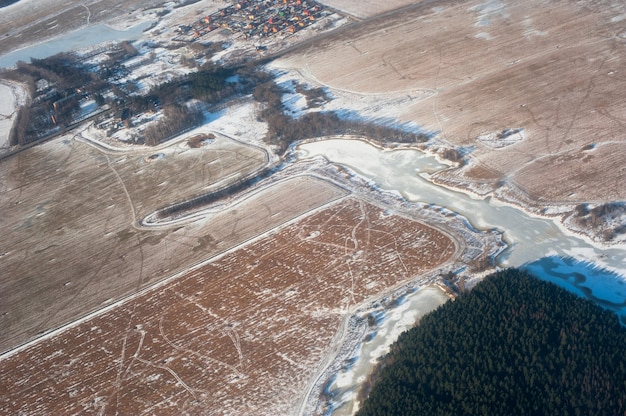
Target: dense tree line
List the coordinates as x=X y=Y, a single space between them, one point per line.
x=42 y=118
x=208 y=85
x=514 y=345
x=453 y=155
x=315 y=97
x=63 y=69
x=57 y=108
x=284 y=130
x=176 y=119
x=51 y=108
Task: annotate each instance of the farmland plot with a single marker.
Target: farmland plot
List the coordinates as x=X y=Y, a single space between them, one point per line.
x=71 y=240
x=548 y=71
x=366 y=8
x=159 y=178
x=240 y=335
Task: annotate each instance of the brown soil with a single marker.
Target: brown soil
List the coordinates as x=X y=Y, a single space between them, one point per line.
x=482 y=173
x=240 y=335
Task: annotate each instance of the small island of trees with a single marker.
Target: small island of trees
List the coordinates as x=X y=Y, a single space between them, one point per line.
x=514 y=345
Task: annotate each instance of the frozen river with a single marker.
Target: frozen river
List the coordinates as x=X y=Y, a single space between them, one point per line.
x=536 y=244
x=530 y=239
x=79 y=39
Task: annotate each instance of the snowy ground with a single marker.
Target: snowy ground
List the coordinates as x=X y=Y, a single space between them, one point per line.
x=366 y=8
x=379 y=108
x=7 y=110
x=391 y=321
x=11 y=97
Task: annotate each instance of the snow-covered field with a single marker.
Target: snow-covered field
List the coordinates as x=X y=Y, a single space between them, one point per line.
x=7 y=110
x=11 y=97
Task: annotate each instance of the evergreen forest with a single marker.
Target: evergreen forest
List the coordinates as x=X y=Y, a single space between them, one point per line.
x=514 y=345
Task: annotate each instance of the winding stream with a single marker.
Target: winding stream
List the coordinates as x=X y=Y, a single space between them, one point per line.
x=536 y=244
x=405 y=171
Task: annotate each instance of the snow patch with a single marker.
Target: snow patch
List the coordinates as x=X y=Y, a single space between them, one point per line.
x=506 y=137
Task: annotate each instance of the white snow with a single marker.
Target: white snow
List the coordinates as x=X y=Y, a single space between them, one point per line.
x=239 y=120
x=483 y=35
x=618 y=18
x=87 y=107
x=155 y=67
x=391 y=323
x=7 y=100
x=295 y=104
x=498 y=140
x=488 y=10
x=11 y=97
x=73 y=41
x=382 y=109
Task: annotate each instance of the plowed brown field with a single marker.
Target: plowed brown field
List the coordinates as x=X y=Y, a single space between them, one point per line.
x=241 y=335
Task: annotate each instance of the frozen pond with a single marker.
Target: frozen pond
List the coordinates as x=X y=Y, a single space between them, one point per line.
x=79 y=39
x=536 y=244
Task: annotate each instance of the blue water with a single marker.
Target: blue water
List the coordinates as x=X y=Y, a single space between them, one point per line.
x=5 y=3
x=586 y=279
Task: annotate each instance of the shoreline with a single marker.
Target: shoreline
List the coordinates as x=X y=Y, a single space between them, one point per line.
x=527 y=208
x=69 y=33
x=532 y=210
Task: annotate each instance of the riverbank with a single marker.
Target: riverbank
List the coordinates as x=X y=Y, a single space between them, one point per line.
x=384 y=108
x=405 y=172
x=385 y=321
x=510 y=194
